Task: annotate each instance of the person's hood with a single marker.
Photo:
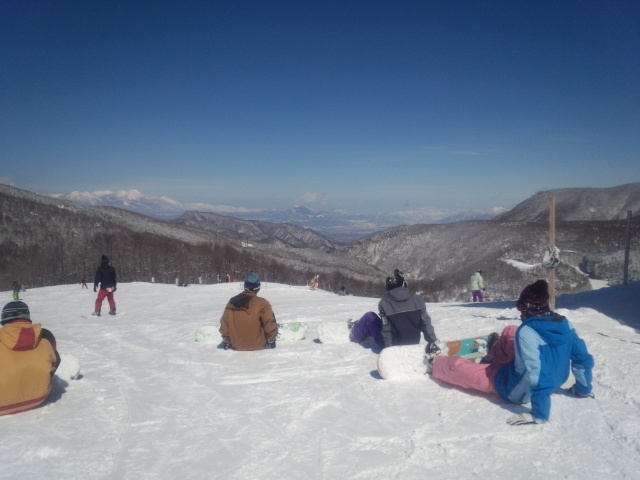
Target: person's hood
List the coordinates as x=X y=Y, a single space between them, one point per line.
x=21 y=335
x=553 y=328
x=242 y=300
x=399 y=294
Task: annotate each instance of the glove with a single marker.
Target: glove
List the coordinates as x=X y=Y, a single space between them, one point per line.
x=94 y=290
x=581 y=395
x=224 y=346
x=521 y=419
x=115 y=288
x=270 y=345
x=432 y=349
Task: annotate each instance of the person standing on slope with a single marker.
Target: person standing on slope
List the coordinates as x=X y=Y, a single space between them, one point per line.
x=28 y=360
x=527 y=363
x=106 y=279
x=248 y=322
x=404 y=316
x=476 y=285
x=16 y=290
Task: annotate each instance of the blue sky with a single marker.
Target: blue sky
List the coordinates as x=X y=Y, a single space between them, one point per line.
x=361 y=106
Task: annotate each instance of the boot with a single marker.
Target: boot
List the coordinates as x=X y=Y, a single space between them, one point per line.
x=493 y=338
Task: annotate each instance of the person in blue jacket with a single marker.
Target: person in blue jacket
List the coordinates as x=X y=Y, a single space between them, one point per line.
x=528 y=362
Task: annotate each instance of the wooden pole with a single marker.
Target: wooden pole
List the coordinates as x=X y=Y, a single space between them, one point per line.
x=626 y=250
x=552 y=246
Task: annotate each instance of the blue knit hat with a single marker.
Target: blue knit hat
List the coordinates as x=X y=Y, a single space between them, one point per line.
x=15 y=311
x=252 y=282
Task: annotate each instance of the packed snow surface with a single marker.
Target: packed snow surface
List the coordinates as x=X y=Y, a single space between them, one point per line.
x=151 y=403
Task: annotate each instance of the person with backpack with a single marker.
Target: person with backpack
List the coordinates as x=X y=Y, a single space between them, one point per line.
x=248 y=322
x=404 y=316
x=527 y=363
x=106 y=279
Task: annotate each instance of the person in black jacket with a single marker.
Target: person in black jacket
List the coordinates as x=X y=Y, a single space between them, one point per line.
x=106 y=278
x=404 y=316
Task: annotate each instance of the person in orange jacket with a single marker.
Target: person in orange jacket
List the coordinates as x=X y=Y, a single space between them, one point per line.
x=28 y=360
x=248 y=322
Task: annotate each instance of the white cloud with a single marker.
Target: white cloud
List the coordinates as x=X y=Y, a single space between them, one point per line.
x=311 y=197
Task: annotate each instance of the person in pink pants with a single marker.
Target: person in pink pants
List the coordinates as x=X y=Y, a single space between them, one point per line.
x=477 y=376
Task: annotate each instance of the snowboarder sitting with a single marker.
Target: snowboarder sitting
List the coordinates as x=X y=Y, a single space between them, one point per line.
x=28 y=360
x=527 y=363
x=106 y=278
x=404 y=316
x=248 y=322
x=369 y=325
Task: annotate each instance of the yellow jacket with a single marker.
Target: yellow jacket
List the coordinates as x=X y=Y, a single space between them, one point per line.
x=28 y=360
x=248 y=323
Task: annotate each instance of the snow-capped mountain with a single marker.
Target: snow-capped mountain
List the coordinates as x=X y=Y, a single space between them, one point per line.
x=337 y=224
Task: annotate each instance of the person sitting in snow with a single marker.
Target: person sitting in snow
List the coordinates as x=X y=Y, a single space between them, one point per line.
x=28 y=360
x=248 y=322
x=404 y=316
x=527 y=363
x=106 y=278
x=369 y=325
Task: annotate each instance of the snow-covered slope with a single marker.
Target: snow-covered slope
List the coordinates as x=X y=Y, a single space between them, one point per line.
x=154 y=404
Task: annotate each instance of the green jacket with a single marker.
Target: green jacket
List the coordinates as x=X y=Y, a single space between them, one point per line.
x=476 y=282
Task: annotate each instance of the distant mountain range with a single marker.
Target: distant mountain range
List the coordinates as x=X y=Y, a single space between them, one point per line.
x=338 y=225
x=47 y=241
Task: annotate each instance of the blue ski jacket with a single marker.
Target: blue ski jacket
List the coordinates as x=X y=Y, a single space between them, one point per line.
x=546 y=348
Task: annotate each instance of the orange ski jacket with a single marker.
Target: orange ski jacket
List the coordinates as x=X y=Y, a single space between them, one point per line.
x=248 y=322
x=28 y=360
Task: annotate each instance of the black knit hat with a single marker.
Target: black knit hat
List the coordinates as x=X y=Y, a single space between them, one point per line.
x=394 y=282
x=104 y=259
x=15 y=311
x=534 y=299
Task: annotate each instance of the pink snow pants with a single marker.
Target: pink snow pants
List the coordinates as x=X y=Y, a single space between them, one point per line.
x=477 y=376
x=103 y=292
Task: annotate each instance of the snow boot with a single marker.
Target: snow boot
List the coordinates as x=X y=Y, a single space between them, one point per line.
x=96 y=314
x=428 y=361
x=112 y=312
x=493 y=338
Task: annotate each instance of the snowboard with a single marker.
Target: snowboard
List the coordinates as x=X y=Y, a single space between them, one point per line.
x=69 y=368
x=409 y=361
x=286 y=332
x=105 y=315
x=292 y=331
x=333 y=332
